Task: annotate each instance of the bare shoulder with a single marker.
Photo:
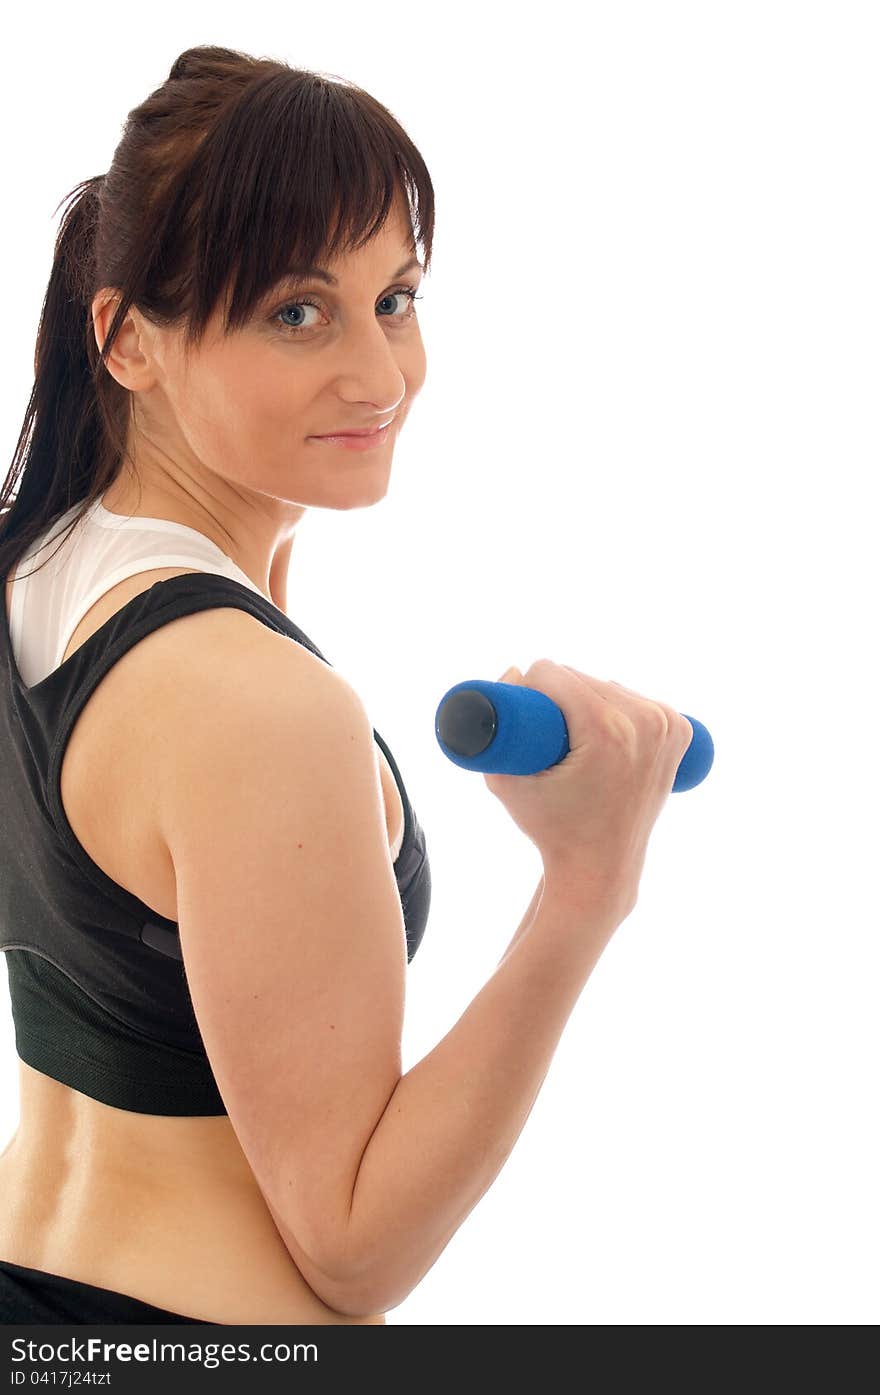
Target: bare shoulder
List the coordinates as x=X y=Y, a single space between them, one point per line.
x=222 y=680
x=233 y=641
x=216 y=652
x=202 y=675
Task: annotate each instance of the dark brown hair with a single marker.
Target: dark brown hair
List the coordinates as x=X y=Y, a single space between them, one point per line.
x=232 y=171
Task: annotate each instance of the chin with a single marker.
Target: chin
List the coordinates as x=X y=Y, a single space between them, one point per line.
x=361 y=495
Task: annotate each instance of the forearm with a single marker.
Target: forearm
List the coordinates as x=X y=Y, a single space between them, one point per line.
x=454 y=1118
x=526 y=920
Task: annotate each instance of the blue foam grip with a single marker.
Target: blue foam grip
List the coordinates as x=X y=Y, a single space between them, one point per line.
x=510 y=729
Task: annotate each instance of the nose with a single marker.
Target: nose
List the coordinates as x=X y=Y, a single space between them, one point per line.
x=375 y=375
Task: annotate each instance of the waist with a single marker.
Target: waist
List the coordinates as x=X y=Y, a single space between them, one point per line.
x=165 y=1209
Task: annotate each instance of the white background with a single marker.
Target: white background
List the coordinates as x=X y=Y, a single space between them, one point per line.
x=647 y=447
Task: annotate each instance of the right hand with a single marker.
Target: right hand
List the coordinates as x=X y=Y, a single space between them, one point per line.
x=591 y=814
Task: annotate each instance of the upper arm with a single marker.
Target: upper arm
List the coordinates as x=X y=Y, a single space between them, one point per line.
x=291 y=928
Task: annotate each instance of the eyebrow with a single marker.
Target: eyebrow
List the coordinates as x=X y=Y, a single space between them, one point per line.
x=302 y=272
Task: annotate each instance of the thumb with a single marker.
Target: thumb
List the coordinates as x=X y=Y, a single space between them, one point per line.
x=511 y=675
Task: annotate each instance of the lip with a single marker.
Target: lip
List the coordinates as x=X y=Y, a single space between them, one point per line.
x=360 y=431
x=357 y=440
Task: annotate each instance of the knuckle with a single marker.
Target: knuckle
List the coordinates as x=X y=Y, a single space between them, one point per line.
x=618 y=726
x=655 y=721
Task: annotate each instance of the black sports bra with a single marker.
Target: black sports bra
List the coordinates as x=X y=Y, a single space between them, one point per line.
x=96 y=977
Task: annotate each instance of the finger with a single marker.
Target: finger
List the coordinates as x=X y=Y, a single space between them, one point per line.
x=575 y=694
x=626 y=697
x=674 y=718
x=598 y=686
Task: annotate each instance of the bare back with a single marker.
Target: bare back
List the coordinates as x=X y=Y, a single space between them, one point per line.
x=163 y=1208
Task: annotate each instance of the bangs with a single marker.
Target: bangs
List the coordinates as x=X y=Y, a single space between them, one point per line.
x=293 y=175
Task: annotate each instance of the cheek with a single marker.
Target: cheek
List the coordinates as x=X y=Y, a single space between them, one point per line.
x=256 y=397
x=229 y=413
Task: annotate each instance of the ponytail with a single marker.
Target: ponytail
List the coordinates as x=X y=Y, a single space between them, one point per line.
x=62 y=436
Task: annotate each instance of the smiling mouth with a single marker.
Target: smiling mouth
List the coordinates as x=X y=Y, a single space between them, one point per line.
x=362 y=431
x=370 y=441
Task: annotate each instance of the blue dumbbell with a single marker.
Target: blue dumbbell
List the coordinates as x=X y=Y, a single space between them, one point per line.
x=508 y=729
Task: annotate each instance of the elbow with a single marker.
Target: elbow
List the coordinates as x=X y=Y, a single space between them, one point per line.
x=328 y=1273
x=337 y=1276
x=351 y=1293
x=365 y=1285
x=364 y=1299
x=369 y=1290
x=342 y=1270
x=353 y=1286
x=353 y=1302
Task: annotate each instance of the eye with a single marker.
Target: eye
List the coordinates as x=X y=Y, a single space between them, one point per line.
x=407 y=293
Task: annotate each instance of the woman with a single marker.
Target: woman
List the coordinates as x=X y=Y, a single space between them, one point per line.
x=212 y=875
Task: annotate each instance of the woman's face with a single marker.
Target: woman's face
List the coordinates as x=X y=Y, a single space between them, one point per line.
x=234 y=427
